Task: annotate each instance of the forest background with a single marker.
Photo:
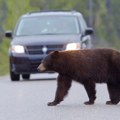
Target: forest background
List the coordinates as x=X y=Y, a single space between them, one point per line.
x=102 y=15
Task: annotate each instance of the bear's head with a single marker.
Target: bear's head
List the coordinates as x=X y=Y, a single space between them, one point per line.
x=49 y=63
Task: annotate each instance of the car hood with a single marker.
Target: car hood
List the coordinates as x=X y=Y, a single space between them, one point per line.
x=45 y=39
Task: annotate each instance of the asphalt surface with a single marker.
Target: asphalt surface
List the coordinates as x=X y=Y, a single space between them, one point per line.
x=27 y=100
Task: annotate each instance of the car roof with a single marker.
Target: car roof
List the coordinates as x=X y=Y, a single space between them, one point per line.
x=52 y=12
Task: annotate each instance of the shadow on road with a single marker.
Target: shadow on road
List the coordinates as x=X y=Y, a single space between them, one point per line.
x=39 y=79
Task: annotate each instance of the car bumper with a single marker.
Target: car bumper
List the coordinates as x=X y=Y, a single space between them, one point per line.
x=24 y=65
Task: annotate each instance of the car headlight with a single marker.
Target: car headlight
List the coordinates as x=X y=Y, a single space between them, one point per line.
x=17 y=49
x=73 y=46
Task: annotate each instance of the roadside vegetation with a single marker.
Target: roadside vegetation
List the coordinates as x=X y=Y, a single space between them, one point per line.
x=102 y=15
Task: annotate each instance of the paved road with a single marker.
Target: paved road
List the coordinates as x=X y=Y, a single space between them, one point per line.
x=27 y=100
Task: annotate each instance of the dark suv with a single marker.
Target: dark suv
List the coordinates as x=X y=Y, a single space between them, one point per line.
x=38 y=33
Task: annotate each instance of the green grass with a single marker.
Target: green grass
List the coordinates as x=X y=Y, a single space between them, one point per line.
x=4 y=64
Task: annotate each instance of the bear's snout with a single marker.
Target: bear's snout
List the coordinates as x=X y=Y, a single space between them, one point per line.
x=41 y=67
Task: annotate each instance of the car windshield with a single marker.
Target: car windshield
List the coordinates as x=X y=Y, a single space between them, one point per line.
x=45 y=25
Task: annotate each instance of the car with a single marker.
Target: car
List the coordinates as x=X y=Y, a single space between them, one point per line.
x=38 y=33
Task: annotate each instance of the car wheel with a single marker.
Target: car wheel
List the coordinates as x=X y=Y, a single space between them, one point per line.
x=14 y=77
x=26 y=76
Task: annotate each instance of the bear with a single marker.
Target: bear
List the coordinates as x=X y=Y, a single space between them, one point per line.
x=88 y=67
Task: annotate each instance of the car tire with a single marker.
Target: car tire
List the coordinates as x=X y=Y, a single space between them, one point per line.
x=26 y=76
x=14 y=77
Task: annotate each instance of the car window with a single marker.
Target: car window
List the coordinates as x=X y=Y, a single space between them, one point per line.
x=83 y=24
x=48 y=25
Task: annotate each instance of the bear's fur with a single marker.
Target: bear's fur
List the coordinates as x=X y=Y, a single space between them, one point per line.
x=87 y=67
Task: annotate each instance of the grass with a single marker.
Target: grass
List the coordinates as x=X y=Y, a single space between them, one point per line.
x=4 y=62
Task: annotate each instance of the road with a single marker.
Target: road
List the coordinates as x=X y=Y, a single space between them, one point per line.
x=27 y=100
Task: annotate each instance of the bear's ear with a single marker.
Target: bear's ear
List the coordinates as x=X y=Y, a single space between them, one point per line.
x=55 y=53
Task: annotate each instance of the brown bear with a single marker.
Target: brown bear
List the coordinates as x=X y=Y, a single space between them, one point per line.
x=88 y=66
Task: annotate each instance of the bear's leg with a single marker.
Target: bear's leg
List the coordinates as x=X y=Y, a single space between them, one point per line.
x=114 y=93
x=91 y=92
x=63 y=85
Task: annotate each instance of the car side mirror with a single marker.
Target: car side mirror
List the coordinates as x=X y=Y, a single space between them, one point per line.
x=89 y=31
x=8 y=34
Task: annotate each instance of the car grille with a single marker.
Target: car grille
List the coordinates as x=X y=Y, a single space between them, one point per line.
x=34 y=50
